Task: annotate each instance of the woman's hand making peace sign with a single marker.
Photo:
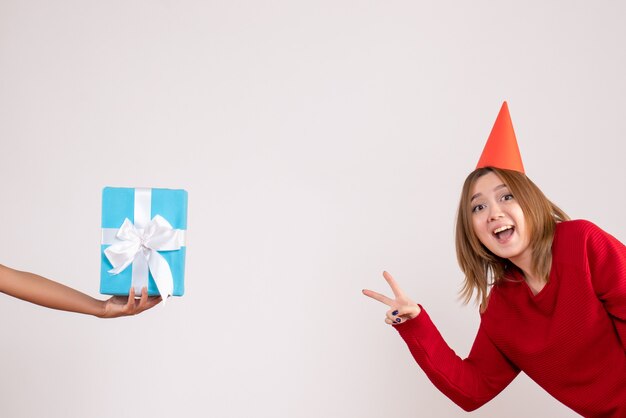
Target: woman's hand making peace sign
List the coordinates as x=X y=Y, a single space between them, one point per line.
x=402 y=308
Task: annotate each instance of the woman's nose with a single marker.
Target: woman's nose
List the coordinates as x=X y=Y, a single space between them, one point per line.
x=495 y=212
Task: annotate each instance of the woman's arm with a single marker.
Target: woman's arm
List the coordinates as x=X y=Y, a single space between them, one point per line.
x=606 y=262
x=470 y=382
x=41 y=291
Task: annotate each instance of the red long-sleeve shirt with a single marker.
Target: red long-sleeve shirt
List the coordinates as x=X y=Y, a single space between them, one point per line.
x=570 y=338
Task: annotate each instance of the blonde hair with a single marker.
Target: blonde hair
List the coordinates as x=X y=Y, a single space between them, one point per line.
x=481 y=267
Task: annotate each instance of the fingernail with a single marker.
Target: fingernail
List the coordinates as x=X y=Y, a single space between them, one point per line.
x=398 y=320
x=394 y=313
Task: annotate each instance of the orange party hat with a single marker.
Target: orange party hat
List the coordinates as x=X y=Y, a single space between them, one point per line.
x=501 y=150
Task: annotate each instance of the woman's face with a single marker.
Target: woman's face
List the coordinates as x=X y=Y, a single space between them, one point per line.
x=498 y=220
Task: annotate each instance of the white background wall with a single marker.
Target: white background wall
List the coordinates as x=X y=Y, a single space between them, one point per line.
x=321 y=142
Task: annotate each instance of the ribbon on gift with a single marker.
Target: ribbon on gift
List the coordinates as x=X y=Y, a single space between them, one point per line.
x=139 y=244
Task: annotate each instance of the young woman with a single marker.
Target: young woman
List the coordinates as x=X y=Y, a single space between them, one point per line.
x=41 y=291
x=552 y=294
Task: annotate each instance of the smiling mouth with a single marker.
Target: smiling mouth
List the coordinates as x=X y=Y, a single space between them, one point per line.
x=504 y=233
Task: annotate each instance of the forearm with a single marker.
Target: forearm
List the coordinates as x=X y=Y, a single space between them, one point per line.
x=41 y=291
x=469 y=382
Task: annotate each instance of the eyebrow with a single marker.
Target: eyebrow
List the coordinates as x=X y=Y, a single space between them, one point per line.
x=495 y=188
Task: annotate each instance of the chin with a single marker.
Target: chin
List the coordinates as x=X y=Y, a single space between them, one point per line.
x=508 y=254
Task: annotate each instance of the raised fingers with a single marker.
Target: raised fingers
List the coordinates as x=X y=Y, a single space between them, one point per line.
x=379 y=297
x=393 y=284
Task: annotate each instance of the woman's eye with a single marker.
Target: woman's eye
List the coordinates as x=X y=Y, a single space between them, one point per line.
x=507 y=197
x=478 y=208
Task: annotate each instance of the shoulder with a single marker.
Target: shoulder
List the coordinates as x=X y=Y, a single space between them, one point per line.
x=579 y=230
x=581 y=241
x=572 y=236
x=580 y=226
x=582 y=229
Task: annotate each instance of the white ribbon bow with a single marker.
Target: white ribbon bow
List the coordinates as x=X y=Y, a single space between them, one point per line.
x=141 y=245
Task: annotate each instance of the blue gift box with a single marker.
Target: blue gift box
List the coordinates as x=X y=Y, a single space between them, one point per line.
x=140 y=206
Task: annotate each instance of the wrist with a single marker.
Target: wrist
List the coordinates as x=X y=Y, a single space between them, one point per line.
x=416 y=311
x=99 y=308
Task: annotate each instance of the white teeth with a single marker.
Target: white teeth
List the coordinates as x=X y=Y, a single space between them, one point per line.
x=502 y=228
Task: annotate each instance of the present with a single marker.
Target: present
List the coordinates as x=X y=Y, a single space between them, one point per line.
x=143 y=241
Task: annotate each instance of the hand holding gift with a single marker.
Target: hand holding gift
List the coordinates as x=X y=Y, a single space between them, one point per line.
x=142 y=251
x=121 y=306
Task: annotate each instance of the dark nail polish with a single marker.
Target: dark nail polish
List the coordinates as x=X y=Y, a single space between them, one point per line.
x=398 y=320
x=394 y=313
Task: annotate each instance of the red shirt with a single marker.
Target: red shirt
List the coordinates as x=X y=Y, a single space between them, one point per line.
x=570 y=338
